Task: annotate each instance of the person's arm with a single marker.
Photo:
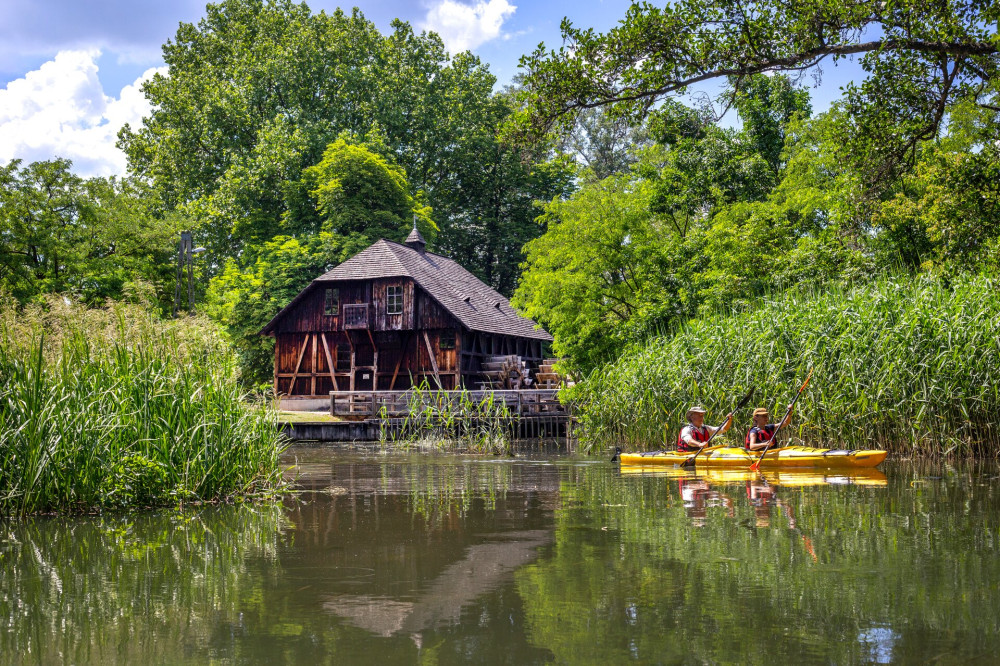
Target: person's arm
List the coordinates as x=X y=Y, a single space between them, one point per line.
x=788 y=418
x=727 y=424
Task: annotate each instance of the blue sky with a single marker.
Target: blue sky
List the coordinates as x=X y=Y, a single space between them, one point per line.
x=70 y=70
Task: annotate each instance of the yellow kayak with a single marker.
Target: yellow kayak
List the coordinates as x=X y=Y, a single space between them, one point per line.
x=793 y=477
x=788 y=456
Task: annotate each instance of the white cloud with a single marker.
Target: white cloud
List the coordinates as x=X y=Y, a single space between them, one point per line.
x=463 y=26
x=60 y=110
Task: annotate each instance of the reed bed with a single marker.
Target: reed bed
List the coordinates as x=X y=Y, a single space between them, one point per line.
x=114 y=407
x=446 y=420
x=910 y=365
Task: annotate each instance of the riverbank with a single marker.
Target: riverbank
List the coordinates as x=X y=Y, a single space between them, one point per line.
x=116 y=408
x=908 y=365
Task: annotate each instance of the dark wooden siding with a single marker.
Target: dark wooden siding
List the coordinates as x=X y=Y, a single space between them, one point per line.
x=385 y=321
x=430 y=315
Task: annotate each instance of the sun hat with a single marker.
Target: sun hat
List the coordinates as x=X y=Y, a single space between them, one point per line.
x=696 y=410
x=761 y=411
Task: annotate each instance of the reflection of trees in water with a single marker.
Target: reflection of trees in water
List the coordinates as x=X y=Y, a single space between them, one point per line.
x=758 y=582
x=121 y=588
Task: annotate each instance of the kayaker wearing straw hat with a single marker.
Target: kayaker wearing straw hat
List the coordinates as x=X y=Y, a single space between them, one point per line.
x=696 y=434
x=762 y=431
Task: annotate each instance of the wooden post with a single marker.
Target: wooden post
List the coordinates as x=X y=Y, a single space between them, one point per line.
x=329 y=361
x=353 y=355
x=315 y=358
x=295 y=373
x=434 y=365
x=374 y=361
x=277 y=353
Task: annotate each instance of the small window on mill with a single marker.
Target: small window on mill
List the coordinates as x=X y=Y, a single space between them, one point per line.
x=394 y=300
x=332 y=302
x=446 y=341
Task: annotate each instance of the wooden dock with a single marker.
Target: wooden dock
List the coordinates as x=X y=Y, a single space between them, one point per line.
x=531 y=414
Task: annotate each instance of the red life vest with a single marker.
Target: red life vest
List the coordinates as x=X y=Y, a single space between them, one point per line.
x=701 y=436
x=763 y=434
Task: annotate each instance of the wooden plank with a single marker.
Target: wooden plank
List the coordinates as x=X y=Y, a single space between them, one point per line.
x=295 y=373
x=434 y=365
x=329 y=361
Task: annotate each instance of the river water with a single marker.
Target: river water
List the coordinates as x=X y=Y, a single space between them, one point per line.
x=434 y=559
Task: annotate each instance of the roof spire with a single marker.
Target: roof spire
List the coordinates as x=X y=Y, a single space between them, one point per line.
x=415 y=240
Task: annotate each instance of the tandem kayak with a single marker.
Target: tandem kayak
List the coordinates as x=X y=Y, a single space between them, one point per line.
x=791 y=477
x=788 y=456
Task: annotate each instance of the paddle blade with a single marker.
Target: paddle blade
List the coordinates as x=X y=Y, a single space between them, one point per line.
x=755 y=466
x=743 y=402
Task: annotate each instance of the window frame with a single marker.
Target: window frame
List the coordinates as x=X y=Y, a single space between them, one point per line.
x=326 y=302
x=394 y=296
x=451 y=338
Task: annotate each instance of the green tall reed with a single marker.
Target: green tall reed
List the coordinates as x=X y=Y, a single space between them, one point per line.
x=912 y=365
x=455 y=419
x=116 y=408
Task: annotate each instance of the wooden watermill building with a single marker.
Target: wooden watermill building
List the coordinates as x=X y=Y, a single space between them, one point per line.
x=395 y=315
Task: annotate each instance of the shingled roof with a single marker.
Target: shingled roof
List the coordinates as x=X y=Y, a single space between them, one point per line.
x=466 y=297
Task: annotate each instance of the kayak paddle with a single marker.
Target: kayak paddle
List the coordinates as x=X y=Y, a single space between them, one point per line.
x=690 y=461
x=756 y=466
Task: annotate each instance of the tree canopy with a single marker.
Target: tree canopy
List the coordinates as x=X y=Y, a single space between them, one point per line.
x=257 y=92
x=921 y=59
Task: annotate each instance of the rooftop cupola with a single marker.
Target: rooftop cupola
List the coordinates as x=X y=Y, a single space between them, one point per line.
x=415 y=240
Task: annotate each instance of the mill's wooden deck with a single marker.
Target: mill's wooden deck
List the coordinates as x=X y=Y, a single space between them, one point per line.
x=390 y=404
x=373 y=415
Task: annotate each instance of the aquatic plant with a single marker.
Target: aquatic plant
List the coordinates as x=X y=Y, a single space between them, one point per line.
x=454 y=419
x=912 y=365
x=114 y=407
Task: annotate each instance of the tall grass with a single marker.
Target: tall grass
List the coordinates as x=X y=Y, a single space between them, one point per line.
x=114 y=407
x=908 y=365
x=450 y=419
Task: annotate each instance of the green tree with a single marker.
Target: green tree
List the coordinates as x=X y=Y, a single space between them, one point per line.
x=358 y=191
x=95 y=239
x=921 y=59
x=258 y=90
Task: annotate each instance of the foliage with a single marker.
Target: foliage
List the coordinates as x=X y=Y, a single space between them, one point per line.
x=245 y=300
x=921 y=60
x=457 y=420
x=909 y=365
x=604 y=145
x=93 y=238
x=114 y=408
x=258 y=90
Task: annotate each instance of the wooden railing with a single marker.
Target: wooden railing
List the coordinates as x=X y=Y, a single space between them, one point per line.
x=393 y=404
x=356 y=316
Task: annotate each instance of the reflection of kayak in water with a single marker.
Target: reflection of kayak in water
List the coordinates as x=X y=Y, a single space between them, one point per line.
x=785 y=457
x=862 y=476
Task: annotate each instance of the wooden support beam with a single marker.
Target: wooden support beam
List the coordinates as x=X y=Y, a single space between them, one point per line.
x=315 y=358
x=434 y=365
x=353 y=355
x=374 y=360
x=277 y=350
x=329 y=360
x=295 y=373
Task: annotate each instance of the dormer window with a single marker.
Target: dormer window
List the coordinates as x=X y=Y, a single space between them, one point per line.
x=394 y=300
x=331 y=303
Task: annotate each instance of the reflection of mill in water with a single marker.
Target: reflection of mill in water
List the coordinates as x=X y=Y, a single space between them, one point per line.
x=368 y=517
x=484 y=568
